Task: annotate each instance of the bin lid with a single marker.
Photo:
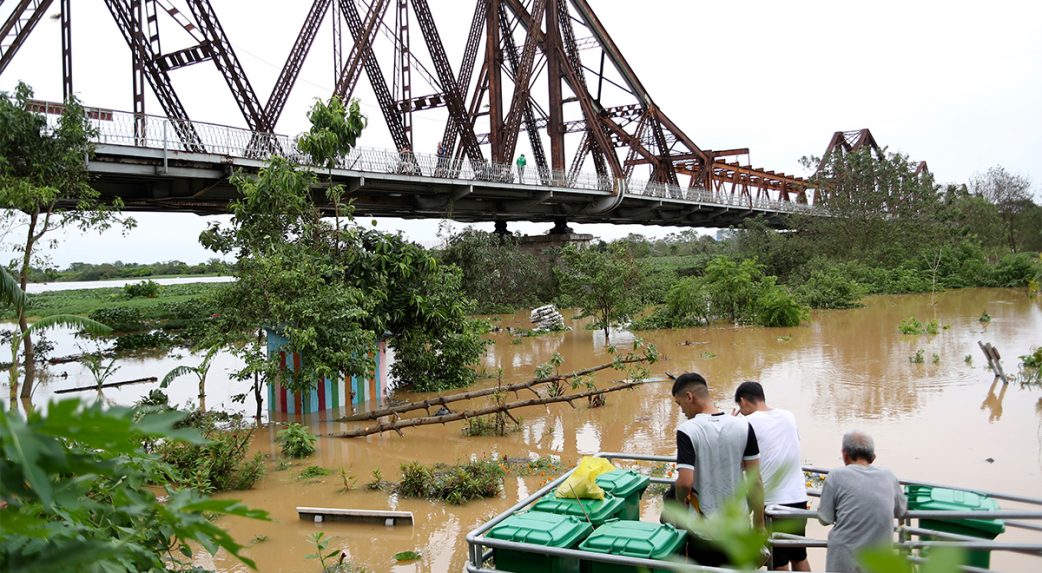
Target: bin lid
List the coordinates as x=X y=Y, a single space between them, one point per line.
x=943 y=499
x=598 y=510
x=621 y=483
x=537 y=528
x=634 y=539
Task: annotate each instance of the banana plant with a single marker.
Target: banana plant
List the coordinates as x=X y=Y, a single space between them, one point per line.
x=68 y=320
x=10 y=292
x=199 y=371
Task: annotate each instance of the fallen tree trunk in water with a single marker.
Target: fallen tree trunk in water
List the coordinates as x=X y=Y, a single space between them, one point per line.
x=515 y=388
x=397 y=425
x=107 y=385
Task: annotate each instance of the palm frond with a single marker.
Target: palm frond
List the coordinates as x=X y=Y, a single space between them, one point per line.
x=71 y=320
x=176 y=373
x=10 y=292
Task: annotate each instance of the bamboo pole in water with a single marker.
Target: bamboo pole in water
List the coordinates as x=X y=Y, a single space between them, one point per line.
x=106 y=385
x=397 y=425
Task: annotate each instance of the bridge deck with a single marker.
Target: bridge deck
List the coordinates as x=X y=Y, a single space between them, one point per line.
x=154 y=172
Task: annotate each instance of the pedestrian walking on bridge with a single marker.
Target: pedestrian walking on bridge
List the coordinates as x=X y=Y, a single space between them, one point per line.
x=521 y=162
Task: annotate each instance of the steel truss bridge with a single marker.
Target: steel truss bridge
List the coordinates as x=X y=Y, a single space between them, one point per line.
x=545 y=68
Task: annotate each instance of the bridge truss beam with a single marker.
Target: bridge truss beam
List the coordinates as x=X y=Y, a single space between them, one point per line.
x=548 y=67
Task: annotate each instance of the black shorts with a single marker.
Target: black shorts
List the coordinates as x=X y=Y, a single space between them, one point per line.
x=785 y=555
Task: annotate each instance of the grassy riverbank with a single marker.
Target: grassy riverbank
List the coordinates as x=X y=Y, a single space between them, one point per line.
x=84 y=302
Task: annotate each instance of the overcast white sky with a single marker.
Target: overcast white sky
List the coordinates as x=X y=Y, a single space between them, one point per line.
x=958 y=84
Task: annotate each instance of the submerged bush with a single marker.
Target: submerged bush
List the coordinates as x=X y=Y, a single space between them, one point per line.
x=1033 y=359
x=120 y=318
x=777 y=307
x=297 y=441
x=147 y=289
x=142 y=341
x=220 y=464
x=456 y=484
x=829 y=287
x=729 y=290
x=1015 y=270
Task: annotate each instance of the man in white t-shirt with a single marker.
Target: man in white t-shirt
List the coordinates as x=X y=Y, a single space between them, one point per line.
x=780 y=467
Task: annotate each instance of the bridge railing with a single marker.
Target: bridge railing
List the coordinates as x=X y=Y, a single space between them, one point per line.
x=155 y=132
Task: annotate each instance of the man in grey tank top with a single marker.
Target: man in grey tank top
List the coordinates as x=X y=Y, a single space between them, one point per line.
x=861 y=500
x=713 y=450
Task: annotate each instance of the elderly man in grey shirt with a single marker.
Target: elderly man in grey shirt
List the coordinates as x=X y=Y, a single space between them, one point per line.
x=862 y=501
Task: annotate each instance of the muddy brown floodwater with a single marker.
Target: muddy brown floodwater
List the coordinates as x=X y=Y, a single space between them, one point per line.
x=932 y=421
x=941 y=420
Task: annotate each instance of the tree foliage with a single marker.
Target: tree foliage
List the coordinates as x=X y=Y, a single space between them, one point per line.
x=76 y=494
x=603 y=283
x=882 y=210
x=1011 y=196
x=736 y=291
x=44 y=185
x=497 y=274
x=334 y=291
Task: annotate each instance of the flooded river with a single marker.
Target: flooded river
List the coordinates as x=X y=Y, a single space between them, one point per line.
x=940 y=420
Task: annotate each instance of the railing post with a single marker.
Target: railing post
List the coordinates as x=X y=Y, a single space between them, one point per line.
x=165 y=159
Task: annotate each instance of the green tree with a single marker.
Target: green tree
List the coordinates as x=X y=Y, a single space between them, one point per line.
x=11 y=294
x=496 y=272
x=881 y=210
x=334 y=132
x=289 y=281
x=44 y=185
x=733 y=287
x=332 y=292
x=76 y=494
x=1010 y=193
x=603 y=283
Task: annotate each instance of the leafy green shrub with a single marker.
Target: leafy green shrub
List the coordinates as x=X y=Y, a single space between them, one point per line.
x=429 y=364
x=145 y=289
x=1033 y=359
x=830 y=288
x=220 y=464
x=297 y=441
x=911 y=325
x=1015 y=270
x=78 y=496
x=777 y=307
x=455 y=484
x=120 y=318
x=313 y=472
x=491 y=425
x=143 y=341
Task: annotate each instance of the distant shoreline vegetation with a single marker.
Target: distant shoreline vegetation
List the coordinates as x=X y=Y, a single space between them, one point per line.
x=88 y=272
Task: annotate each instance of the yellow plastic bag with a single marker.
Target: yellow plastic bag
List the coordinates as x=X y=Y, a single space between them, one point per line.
x=582 y=484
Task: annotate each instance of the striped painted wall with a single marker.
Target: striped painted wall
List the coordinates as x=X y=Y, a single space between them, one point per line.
x=350 y=394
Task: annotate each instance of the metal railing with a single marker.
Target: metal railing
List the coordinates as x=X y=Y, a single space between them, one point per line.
x=910 y=539
x=157 y=132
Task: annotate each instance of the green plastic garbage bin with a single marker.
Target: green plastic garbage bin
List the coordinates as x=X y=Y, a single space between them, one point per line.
x=538 y=528
x=596 y=511
x=631 y=539
x=628 y=485
x=941 y=499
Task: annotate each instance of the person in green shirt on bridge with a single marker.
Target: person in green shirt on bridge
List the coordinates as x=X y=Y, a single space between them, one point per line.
x=521 y=162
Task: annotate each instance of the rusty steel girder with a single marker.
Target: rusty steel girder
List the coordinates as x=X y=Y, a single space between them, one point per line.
x=547 y=67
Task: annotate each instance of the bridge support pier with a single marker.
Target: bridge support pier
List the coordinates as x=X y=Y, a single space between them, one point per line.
x=501 y=229
x=561 y=227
